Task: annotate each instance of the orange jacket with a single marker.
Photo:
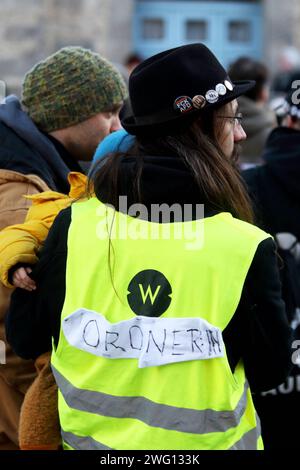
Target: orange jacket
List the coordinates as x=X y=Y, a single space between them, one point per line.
x=20 y=243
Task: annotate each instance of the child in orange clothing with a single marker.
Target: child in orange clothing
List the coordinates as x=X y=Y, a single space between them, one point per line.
x=19 y=244
x=39 y=424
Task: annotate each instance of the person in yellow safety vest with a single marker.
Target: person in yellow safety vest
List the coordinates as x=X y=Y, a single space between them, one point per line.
x=161 y=299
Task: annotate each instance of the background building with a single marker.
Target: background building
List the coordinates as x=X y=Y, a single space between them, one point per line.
x=229 y=28
x=31 y=30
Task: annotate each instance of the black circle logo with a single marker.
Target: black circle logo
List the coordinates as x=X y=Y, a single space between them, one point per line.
x=149 y=293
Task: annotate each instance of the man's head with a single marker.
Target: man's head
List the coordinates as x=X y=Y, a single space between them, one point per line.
x=74 y=95
x=132 y=61
x=228 y=128
x=246 y=68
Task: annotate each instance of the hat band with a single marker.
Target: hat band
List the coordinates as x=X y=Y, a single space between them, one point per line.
x=160 y=117
x=184 y=105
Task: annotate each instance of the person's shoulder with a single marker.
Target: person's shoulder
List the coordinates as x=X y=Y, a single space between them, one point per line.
x=9 y=138
x=246 y=229
x=264 y=263
x=63 y=218
x=16 y=154
x=56 y=243
x=4 y=129
x=267 y=247
x=253 y=178
x=58 y=235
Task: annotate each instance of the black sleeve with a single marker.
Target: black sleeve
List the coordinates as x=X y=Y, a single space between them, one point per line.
x=253 y=179
x=34 y=317
x=259 y=332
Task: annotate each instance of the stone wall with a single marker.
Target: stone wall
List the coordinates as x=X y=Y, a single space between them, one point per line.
x=281 y=32
x=22 y=39
x=30 y=30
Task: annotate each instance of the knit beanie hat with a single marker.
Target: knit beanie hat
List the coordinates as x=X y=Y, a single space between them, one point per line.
x=69 y=87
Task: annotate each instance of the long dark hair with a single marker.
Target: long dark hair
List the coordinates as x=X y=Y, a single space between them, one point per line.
x=197 y=144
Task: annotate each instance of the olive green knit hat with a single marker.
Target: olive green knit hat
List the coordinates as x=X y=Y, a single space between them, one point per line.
x=69 y=87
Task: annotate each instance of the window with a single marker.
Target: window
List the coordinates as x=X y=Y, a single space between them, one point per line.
x=239 y=31
x=196 y=30
x=153 y=28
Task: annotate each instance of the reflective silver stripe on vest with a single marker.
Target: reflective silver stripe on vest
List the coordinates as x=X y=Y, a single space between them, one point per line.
x=153 y=414
x=248 y=441
x=82 y=443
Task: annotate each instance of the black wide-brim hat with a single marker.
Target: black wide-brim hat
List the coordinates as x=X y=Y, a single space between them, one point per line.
x=178 y=84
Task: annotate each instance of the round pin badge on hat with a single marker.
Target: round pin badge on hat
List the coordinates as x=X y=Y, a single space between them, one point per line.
x=211 y=96
x=183 y=104
x=221 y=89
x=198 y=101
x=228 y=85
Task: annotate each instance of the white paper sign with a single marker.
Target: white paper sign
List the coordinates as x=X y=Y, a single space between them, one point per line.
x=153 y=341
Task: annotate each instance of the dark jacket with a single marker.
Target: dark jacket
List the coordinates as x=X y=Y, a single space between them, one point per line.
x=35 y=316
x=26 y=150
x=275 y=191
x=274 y=186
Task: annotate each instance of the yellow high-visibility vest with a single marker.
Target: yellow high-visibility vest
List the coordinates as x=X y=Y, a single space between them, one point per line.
x=140 y=362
